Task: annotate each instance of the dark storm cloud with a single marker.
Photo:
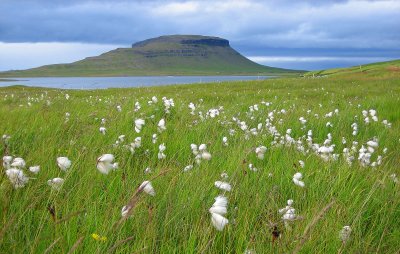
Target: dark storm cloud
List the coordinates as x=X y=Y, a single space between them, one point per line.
x=270 y=23
x=255 y=28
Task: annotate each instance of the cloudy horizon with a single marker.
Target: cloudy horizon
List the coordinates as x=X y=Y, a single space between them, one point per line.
x=300 y=35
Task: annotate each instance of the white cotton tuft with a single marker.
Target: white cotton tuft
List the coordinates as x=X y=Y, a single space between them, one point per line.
x=17 y=177
x=223 y=185
x=219 y=221
x=125 y=210
x=63 y=163
x=105 y=163
x=34 y=169
x=139 y=123
x=18 y=163
x=345 y=233
x=56 y=183
x=297 y=179
x=148 y=188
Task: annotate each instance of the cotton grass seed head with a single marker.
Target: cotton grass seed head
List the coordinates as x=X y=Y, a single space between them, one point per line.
x=63 y=163
x=17 y=177
x=147 y=188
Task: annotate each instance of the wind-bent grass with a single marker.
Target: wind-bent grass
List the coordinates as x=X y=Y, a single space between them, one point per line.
x=176 y=219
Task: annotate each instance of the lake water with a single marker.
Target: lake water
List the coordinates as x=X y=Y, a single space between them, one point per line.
x=120 y=82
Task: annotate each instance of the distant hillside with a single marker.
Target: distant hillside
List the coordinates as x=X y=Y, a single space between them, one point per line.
x=165 y=55
x=374 y=70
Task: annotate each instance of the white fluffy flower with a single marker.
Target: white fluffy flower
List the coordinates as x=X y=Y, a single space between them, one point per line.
x=289 y=213
x=219 y=221
x=7 y=161
x=105 y=163
x=344 y=233
x=260 y=151
x=148 y=188
x=18 y=163
x=161 y=125
x=63 y=163
x=121 y=138
x=161 y=149
x=188 y=168
x=154 y=138
x=103 y=130
x=223 y=185
x=34 y=169
x=225 y=141
x=202 y=147
x=16 y=177
x=218 y=209
x=206 y=156
x=252 y=168
x=125 y=210
x=56 y=183
x=297 y=179
x=139 y=123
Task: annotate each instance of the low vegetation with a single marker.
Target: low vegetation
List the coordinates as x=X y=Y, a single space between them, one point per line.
x=308 y=165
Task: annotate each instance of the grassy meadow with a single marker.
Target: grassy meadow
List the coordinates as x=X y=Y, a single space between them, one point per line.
x=84 y=215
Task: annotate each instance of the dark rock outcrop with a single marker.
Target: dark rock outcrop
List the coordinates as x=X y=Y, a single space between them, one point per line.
x=186 y=40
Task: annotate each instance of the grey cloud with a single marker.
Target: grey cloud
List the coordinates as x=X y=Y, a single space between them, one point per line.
x=256 y=28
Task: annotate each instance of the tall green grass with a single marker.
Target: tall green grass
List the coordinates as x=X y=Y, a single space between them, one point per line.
x=177 y=220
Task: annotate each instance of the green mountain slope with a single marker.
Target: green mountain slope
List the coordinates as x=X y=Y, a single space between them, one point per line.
x=165 y=55
x=374 y=70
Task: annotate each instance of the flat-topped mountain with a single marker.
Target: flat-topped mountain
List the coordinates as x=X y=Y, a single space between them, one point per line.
x=164 y=55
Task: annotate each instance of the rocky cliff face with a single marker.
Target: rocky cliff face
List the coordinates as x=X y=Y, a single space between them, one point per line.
x=208 y=42
x=184 y=40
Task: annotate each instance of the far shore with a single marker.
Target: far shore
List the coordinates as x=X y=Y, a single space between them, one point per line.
x=8 y=80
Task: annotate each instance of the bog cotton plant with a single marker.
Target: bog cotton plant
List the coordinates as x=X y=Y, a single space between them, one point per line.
x=344 y=234
x=225 y=141
x=154 y=138
x=217 y=211
x=105 y=163
x=297 y=179
x=18 y=163
x=147 y=188
x=17 y=177
x=187 y=168
x=136 y=144
x=192 y=108
x=103 y=130
x=139 y=123
x=168 y=104
x=223 y=185
x=205 y=155
x=137 y=106
x=288 y=213
x=63 y=163
x=161 y=126
x=34 y=169
x=7 y=161
x=55 y=183
x=161 y=149
x=260 y=152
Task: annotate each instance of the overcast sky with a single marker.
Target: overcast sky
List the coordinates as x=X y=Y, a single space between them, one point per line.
x=281 y=33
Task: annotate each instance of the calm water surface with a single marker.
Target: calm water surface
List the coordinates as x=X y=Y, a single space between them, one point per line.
x=120 y=82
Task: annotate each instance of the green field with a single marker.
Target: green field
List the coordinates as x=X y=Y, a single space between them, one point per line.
x=362 y=195
x=389 y=69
